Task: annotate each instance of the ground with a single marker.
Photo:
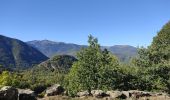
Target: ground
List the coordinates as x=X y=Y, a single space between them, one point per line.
x=92 y=98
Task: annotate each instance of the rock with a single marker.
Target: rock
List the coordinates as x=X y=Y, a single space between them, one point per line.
x=161 y=94
x=83 y=94
x=138 y=94
x=118 y=94
x=113 y=94
x=127 y=94
x=8 y=93
x=26 y=94
x=54 y=90
x=98 y=93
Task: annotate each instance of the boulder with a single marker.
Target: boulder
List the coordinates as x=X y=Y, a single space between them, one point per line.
x=8 y=93
x=26 y=94
x=138 y=94
x=118 y=94
x=127 y=94
x=98 y=93
x=54 y=90
x=161 y=94
x=83 y=94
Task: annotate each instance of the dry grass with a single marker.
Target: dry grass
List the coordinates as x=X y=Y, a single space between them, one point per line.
x=92 y=98
x=155 y=98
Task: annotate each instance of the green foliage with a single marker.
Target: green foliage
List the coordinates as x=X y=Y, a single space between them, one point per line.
x=39 y=78
x=160 y=48
x=154 y=61
x=143 y=58
x=62 y=62
x=5 y=79
x=9 y=79
x=95 y=69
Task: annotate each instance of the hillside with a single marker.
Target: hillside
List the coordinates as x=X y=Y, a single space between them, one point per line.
x=48 y=72
x=60 y=62
x=51 y=48
x=124 y=52
x=17 y=54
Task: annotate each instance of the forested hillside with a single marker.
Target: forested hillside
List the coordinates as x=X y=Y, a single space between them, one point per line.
x=16 y=54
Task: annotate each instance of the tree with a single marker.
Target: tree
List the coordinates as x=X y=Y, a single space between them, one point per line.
x=9 y=79
x=158 y=52
x=143 y=58
x=160 y=48
x=95 y=69
x=5 y=79
x=154 y=61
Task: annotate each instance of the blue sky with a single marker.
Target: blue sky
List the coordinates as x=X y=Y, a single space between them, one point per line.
x=126 y=22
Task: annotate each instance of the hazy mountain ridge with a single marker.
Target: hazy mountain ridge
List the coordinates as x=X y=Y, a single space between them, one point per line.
x=51 y=48
x=124 y=52
x=17 y=54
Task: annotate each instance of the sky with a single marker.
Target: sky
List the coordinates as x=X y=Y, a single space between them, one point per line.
x=113 y=22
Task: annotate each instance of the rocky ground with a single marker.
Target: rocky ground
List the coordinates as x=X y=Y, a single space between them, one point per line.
x=56 y=92
x=116 y=95
x=92 y=98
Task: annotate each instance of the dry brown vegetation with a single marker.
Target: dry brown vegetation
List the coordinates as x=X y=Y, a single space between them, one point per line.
x=92 y=98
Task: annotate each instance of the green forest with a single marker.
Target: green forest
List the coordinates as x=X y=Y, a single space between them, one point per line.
x=94 y=68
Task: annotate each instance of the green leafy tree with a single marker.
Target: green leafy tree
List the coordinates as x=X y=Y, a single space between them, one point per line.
x=5 y=79
x=158 y=52
x=154 y=61
x=9 y=79
x=95 y=69
x=160 y=48
x=143 y=58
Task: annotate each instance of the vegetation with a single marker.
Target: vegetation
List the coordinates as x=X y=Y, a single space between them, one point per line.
x=155 y=60
x=41 y=76
x=9 y=79
x=150 y=70
x=96 y=68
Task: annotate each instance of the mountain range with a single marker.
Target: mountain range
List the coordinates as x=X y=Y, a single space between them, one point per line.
x=16 y=54
x=51 y=48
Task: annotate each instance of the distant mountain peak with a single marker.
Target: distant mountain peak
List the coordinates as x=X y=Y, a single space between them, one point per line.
x=121 y=46
x=44 y=42
x=51 y=48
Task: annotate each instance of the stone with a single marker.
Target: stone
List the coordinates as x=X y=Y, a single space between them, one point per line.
x=98 y=93
x=127 y=94
x=54 y=90
x=118 y=94
x=83 y=94
x=8 y=93
x=138 y=94
x=26 y=94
